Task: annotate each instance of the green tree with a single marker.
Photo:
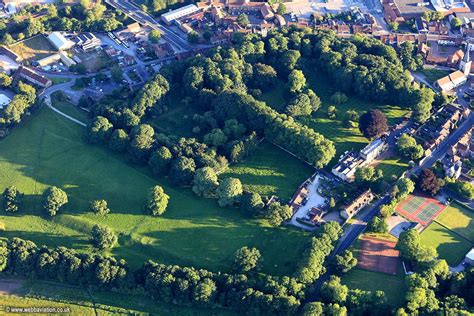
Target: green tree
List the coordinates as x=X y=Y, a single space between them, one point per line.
x=251 y=203
x=377 y=225
x=154 y=36
x=116 y=73
x=247 y=259
x=205 y=182
x=296 y=81
x=157 y=200
x=313 y=309
x=456 y=23
x=141 y=142
x=405 y=187
x=11 y=199
x=411 y=248
x=193 y=37
x=54 y=199
x=408 y=148
x=99 y=130
x=334 y=291
x=215 y=138
x=229 y=191
x=5 y=80
x=243 y=20
x=160 y=160
x=99 y=207
x=345 y=262
x=119 y=140
x=102 y=237
x=338 y=98
x=281 y=8
x=277 y=213
x=182 y=171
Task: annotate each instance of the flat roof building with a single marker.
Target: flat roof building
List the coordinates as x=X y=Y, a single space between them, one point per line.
x=172 y=15
x=59 y=41
x=373 y=150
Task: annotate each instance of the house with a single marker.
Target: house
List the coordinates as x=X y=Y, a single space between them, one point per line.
x=87 y=41
x=134 y=27
x=346 y=167
x=373 y=150
x=59 y=41
x=173 y=15
x=359 y=203
x=32 y=77
x=267 y=12
x=452 y=168
x=451 y=81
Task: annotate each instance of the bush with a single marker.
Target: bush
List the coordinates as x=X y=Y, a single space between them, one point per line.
x=103 y=237
x=54 y=199
x=99 y=207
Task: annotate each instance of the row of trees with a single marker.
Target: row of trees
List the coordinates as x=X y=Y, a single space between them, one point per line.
x=311 y=265
x=172 y=284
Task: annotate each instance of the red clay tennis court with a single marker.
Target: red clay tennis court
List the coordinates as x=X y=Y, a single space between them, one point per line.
x=421 y=209
x=378 y=255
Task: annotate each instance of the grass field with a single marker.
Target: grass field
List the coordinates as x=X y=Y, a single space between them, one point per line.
x=459 y=219
x=393 y=166
x=70 y=109
x=49 y=150
x=432 y=75
x=449 y=245
x=393 y=285
x=34 y=48
x=344 y=138
x=271 y=171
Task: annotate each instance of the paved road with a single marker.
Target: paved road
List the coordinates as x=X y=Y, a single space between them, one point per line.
x=143 y=18
x=443 y=148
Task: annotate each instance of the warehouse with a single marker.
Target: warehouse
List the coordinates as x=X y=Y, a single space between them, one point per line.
x=59 y=41
x=169 y=17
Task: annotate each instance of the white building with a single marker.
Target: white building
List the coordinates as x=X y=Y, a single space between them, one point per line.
x=4 y=100
x=373 y=150
x=179 y=13
x=470 y=257
x=59 y=41
x=346 y=167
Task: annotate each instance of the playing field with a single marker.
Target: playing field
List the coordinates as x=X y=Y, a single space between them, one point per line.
x=392 y=284
x=421 y=209
x=378 y=255
x=34 y=48
x=450 y=246
x=271 y=171
x=344 y=138
x=459 y=219
x=49 y=150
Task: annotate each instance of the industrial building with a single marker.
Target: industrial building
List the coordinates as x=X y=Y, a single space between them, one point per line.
x=169 y=17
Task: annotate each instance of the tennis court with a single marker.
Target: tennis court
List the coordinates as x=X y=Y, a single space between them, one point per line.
x=421 y=209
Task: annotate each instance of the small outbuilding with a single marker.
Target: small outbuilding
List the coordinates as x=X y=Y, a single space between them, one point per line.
x=470 y=257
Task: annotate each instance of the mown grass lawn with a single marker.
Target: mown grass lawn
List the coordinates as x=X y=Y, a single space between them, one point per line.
x=271 y=171
x=393 y=285
x=344 y=138
x=432 y=74
x=34 y=48
x=393 y=166
x=459 y=219
x=50 y=150
x=449 y=245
